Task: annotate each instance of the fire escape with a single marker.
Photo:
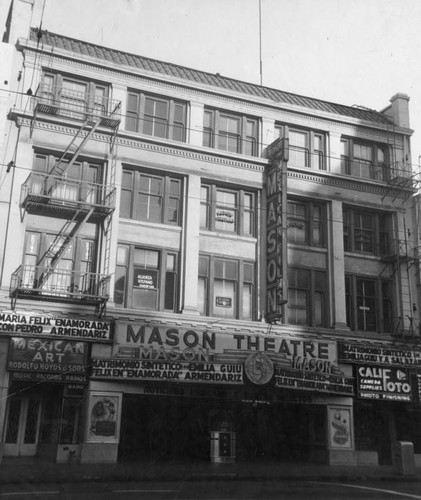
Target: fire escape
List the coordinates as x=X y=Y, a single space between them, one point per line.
x=403 y=253
x=77 y=202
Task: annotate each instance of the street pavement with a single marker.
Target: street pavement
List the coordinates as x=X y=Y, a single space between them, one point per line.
x=30 y=470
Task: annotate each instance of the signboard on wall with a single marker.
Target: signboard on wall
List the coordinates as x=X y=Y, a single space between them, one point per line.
x=276 y=219
x=46 y=355
x=381 y=383
x=15 y=323
x=145 y=278
x=309 y=381
x=165 y=371
x=375 y=354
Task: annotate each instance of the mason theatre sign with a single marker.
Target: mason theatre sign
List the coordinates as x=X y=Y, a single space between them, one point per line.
x=147 y=351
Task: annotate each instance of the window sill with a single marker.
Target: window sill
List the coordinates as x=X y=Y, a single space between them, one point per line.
x=227 y=236
x=155 y=225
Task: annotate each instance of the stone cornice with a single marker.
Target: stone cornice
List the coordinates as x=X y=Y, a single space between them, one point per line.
x=218 y=157
x=188 y=88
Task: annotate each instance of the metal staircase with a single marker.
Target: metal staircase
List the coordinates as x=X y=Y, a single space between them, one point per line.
x=36 y=281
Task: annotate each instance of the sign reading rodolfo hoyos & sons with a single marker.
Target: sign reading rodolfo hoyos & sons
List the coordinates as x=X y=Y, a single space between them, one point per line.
x=276 y=185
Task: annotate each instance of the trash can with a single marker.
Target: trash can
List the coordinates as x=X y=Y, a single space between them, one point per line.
x=403 y=458
x=223 y=446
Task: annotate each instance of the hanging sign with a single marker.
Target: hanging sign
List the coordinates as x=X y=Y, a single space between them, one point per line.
x=311 y=381
x=15 y=323
x=45 y=355
x=375 y=354
x=380 y=383
x=165 y=371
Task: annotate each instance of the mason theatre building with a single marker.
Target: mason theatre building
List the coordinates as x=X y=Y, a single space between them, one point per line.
x=192 y=266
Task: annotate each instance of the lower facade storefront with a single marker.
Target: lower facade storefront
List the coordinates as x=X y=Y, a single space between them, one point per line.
x=174 y=427
x=143 y=390
x=43 y=420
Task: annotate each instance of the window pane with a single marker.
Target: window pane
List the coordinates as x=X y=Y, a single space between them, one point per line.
x=202 y=299
x=226 y=269
x=225 y=298
x=203 y=266
x=120 y=284
x=247 y=301
x=297 y=306
x=318 y=309
x=148 y=259
x=145 y=299
x=169 y=298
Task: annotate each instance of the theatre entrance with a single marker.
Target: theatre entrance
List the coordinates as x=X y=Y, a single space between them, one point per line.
x=166 y=427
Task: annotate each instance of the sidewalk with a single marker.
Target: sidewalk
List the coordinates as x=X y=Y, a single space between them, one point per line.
x=21 y=470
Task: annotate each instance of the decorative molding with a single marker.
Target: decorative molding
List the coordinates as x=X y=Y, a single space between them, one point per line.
x=183 y=151
x=189 y=87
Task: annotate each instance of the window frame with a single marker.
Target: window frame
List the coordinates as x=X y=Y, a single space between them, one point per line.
x=242 y=211
x=378 y=169
x=52 y=92
x=380 y=231
x=136 y=192
x=383 y=303
x=137 y=121
x=74 y=180
x=311 y=291
x=314 y=158
x=311 y=222
x=214 y=132
x=79 y=263
x=207 y=273
x=128 y=287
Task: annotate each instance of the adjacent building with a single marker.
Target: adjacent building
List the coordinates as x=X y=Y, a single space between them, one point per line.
x=195 y=266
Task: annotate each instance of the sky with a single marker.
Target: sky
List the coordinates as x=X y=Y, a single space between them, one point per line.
x=347 y=51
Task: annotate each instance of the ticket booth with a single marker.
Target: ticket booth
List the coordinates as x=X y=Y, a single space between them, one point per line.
x=222 y=437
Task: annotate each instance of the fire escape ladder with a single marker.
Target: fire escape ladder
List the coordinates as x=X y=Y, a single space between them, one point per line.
x=61 y=242
x=61 y=166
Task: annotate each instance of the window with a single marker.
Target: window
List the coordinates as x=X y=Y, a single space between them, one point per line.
x=75 y=97
x=306 y=297
x=226 y=287
x=367 y=161
x=369 y=304
x=306 y=223
x=156 y=116
x=150 y=198
x=82 y=181
x=230 y=132
x=145 y=278
x=74 y=271
x=306 y=147
x=227 y=210
x=366 y=232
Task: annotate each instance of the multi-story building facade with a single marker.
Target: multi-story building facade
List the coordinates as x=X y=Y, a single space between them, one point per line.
x=195 y=266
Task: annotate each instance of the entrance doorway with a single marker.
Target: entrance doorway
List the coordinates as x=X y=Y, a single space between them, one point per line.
x=22 y=426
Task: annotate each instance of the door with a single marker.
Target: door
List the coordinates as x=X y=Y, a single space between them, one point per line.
x=22 y=427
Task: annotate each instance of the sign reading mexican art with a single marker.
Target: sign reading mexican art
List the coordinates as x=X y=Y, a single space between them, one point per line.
x=14 y=323
x=46 y=355
x=295 y=379
x=165 y=371
x=380 y=383
x=378 y=355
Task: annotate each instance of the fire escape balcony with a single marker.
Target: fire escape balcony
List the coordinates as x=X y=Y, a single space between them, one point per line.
x=63 y=198
x=59 y=285
x=401 y=175
x=57 y=101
